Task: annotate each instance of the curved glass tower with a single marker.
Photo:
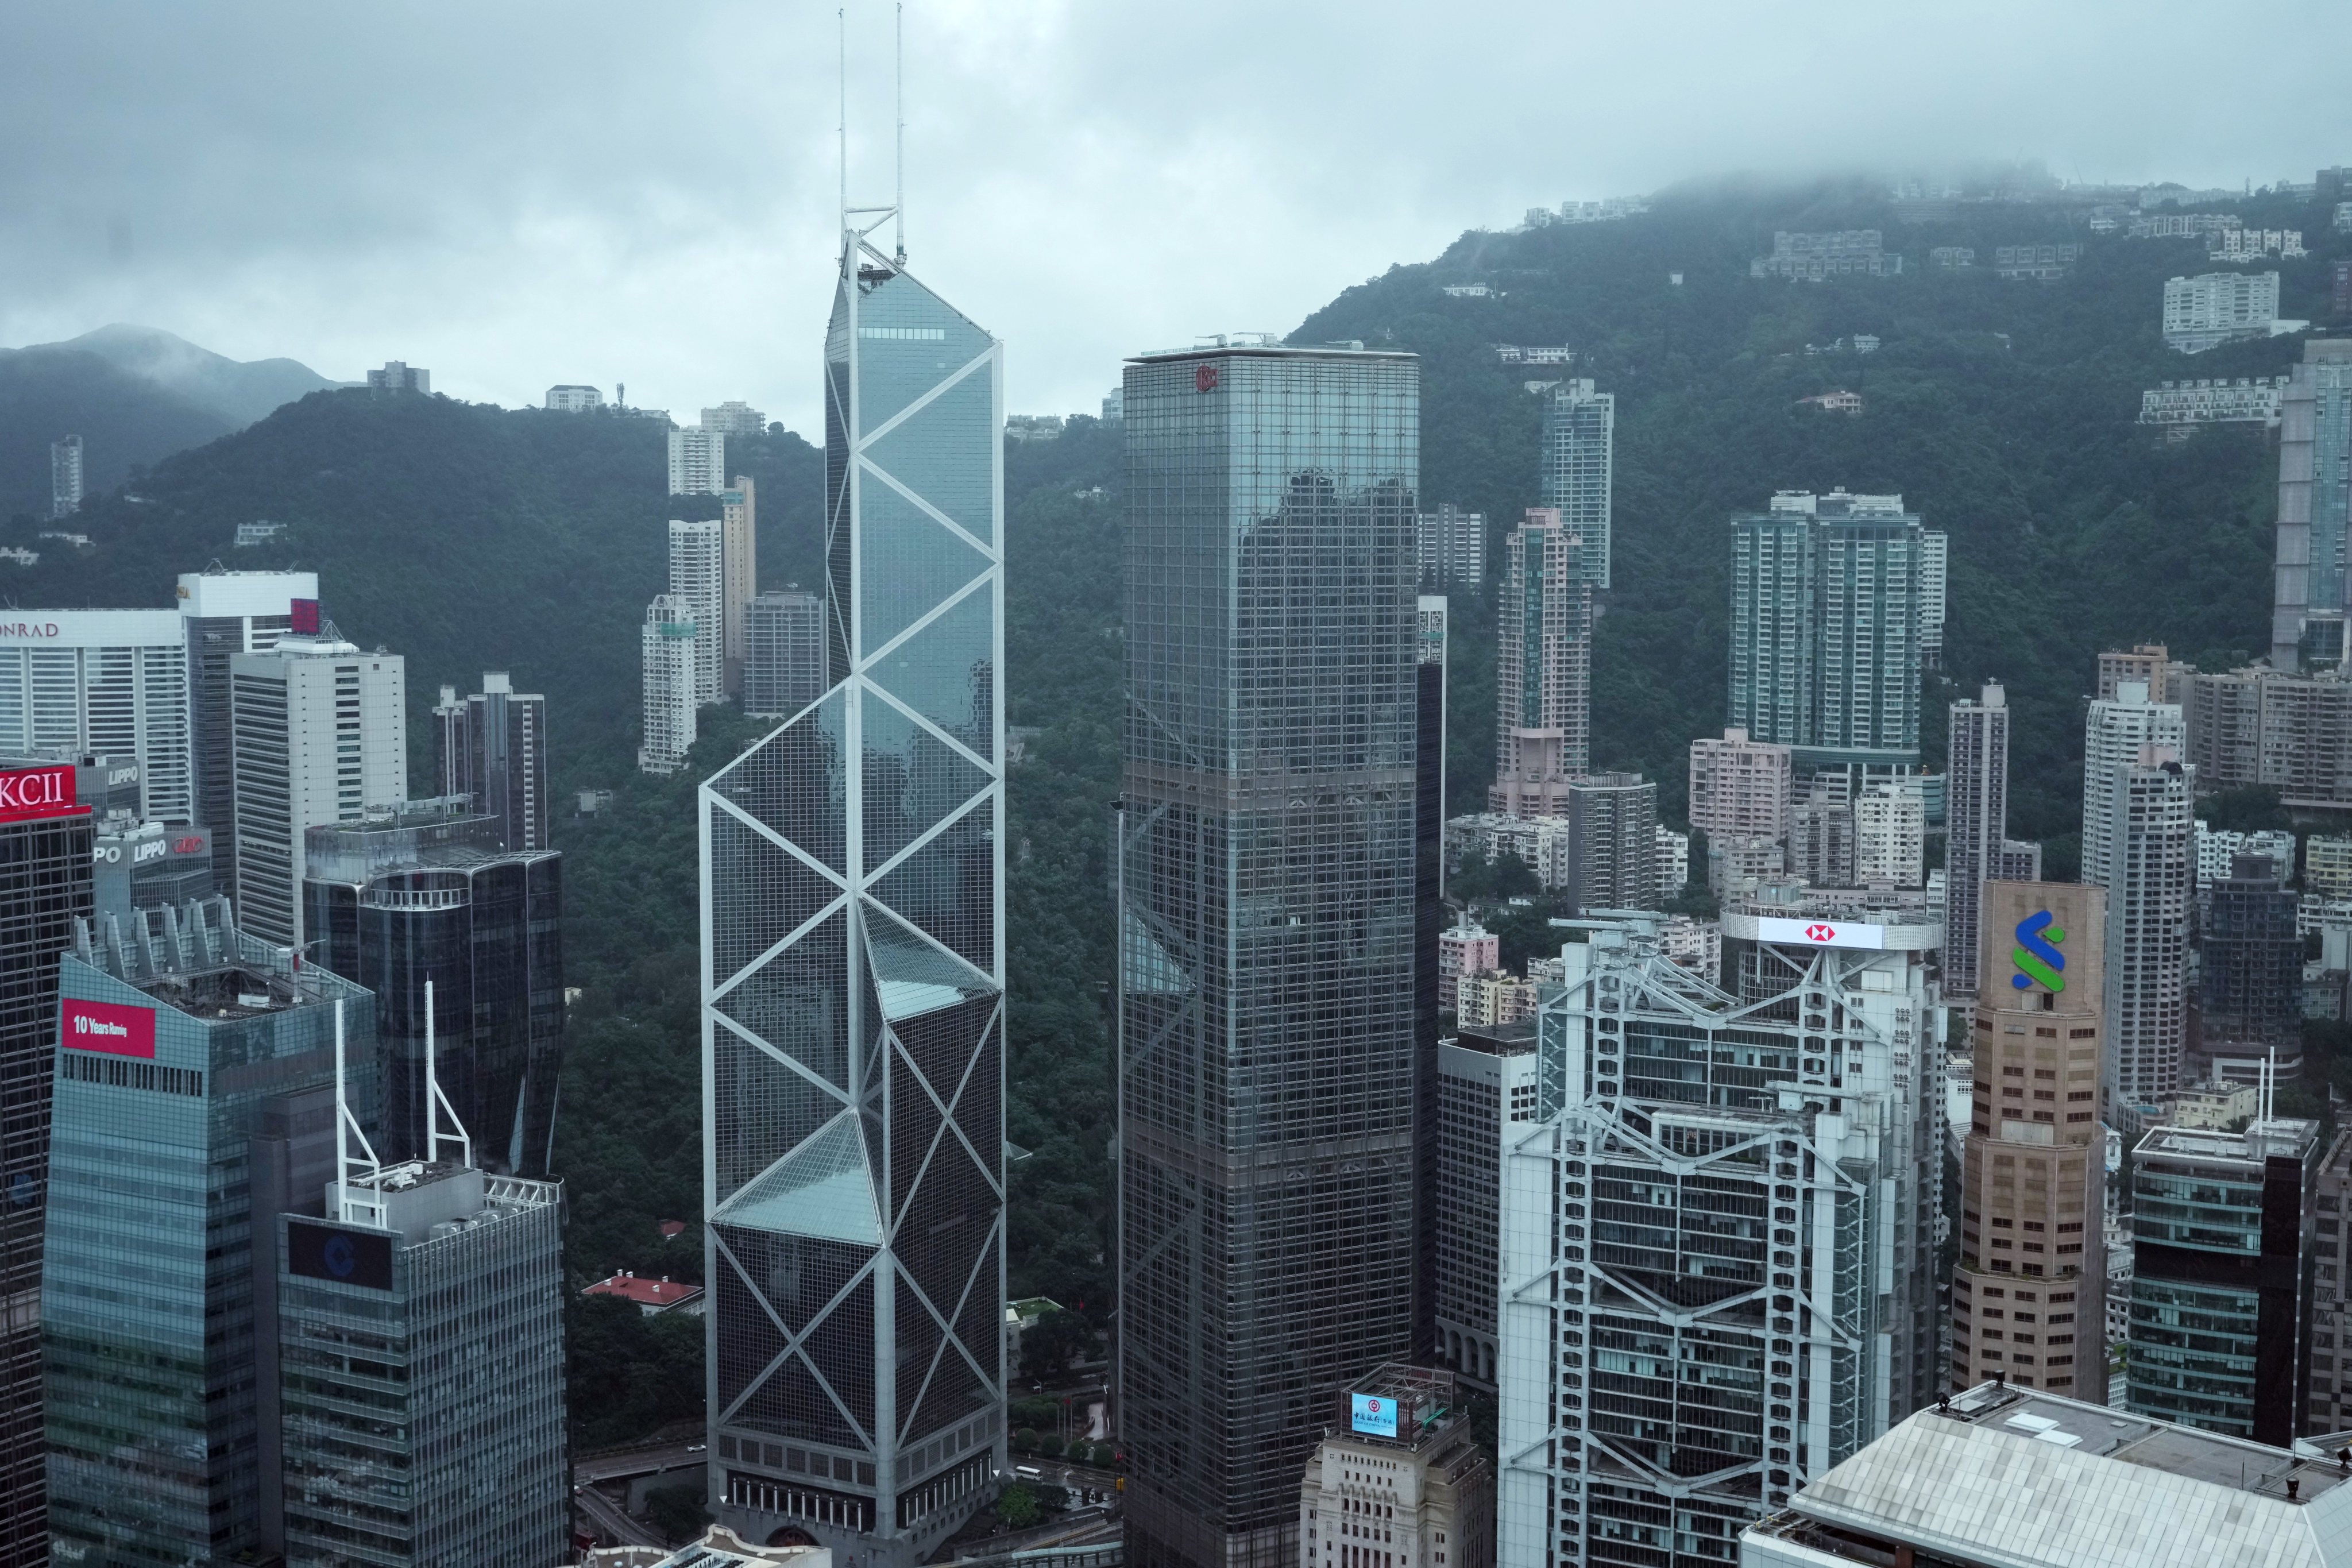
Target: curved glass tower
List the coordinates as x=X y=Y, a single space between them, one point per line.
x=852 y=980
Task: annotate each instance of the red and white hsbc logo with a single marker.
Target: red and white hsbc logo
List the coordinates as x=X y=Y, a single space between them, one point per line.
x=37 y=792
x=1822 y=933
x=107 y=1027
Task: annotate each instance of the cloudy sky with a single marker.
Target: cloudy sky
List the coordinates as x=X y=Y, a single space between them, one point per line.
x=518 y=193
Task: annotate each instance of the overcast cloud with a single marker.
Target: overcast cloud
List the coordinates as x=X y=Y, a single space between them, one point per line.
x=518 y=193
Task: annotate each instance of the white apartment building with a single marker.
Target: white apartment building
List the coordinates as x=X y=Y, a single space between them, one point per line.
x=65 y=476
x=574 y=399
x=1890 y=833
x=2215 y=308
x=698 y=462
x=698 y=579
x=2217 y=850
x=2113 y=735
x=735 y=417
x=1739 y=788
x=2255 y=244
x=321 y=731
x=667 y=645
x=2249 y=400
x=1673 y=861
x=2327 y=865
x=112 y=682
x=1935 y=575
x=1451 y=545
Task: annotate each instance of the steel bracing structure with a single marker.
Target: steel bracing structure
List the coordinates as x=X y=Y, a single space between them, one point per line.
x=853 y=988
x=1718 y=1250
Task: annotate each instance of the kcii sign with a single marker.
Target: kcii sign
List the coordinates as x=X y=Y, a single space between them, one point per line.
x=37 y=792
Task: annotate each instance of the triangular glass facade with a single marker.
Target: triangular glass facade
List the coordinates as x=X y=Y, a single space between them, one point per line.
x=854 y=972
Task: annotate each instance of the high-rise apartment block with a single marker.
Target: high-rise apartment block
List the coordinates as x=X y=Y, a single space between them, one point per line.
x=1266 y=1242
x=2146 y=871
x=46 y=842
x=1613 y=843
x=738 y=523
x=1934 y=594
x=2016 y=1476
x=667 y=645
x=2114 y=734
x=1822 y=841
x=1543 y=678
x=1580 y=439
x=1449 y=544
x=697 y=577
x=1890 y=832
x=1815 y=258
x=1398 y=1477
x=65 y=476
x=1976 y=824
x=2217 y=852
x=2315 y=508
x=2327 y=865
x=784 y=657
x=2249 y=1008
x=2216 y=307
x=1463 y=951
x=101 y=682
x=1825 y=630
x=1717 y=1273
x=398 y=376
x=853 y=901
x=491 y=749
x=222 y=614
x=420 y=1328
x=735 y=418
x=427 y=893
x=321 y=737
x=2152 y=665
x=698 y=462
x=176 y=1060
x=2222 y=1271
x=1485 y=1093
x=1739 y=788
x=2027 y=1295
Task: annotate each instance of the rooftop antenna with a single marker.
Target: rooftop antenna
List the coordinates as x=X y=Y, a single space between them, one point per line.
x=900 y=62
x=436 y=1103
x=841 y=126
x=368 y=1209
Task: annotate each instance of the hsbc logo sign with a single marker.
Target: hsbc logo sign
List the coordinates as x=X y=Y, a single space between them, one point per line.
x=1822 y=933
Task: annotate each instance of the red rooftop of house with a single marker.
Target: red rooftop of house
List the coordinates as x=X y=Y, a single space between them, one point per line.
x=650 y=1295
x=672 y=1229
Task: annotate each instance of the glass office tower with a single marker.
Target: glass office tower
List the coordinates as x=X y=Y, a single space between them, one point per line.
x=177 y=1054
x=1267 y=888
x=426 y=894
x=853 y=987
x=45 y=849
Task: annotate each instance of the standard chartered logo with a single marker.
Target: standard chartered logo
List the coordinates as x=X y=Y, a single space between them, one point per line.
x=2036 y=956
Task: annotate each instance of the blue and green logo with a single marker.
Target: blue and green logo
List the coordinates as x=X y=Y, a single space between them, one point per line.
x=2035 y=956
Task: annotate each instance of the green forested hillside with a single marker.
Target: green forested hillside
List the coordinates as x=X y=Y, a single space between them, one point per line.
x=124 y=420
x=2003 y=411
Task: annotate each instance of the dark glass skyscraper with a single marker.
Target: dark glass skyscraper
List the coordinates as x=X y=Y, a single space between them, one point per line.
x=1267 y=900
x=45 y=888
x=425 y=894
x=853 y=984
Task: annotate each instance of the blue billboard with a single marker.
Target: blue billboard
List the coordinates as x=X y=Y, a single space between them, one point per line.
x=1372 y=1415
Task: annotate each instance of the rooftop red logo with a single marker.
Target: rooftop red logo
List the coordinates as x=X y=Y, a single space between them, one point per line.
x=107 y=1027
x=37 y=792
x=1821 y=933
x=1204 y=377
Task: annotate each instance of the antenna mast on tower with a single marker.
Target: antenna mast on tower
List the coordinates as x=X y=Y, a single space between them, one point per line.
x=900 y=201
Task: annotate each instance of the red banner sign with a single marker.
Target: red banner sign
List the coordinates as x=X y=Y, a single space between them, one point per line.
x=36 y=792
x=108 y=1027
